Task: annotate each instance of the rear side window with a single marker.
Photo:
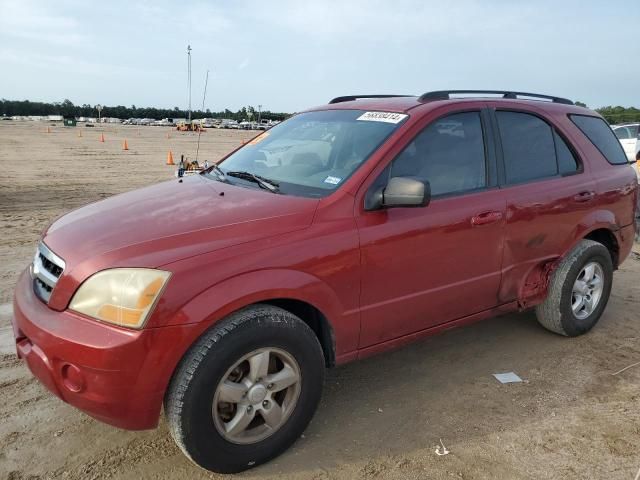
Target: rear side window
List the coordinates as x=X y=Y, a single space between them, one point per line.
x=600 y=134
x=566 y=160
x=532 y=149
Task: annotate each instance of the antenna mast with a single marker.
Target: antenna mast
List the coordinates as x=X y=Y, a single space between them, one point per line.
x=189 y=77
x=204 y=95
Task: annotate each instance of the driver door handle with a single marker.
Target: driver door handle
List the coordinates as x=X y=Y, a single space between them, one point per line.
x=486 y=218
x=584 y=196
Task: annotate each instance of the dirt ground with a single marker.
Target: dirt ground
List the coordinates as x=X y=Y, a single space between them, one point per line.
x=379 y=418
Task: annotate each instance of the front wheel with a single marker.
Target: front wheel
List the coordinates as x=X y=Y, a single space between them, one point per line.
x=246 y=390
x=578 y=291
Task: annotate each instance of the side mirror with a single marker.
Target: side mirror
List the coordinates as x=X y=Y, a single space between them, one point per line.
x=400 y=192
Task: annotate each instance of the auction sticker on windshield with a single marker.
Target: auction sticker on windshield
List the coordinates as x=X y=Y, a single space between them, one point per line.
x=332 y=180
x=387 y=117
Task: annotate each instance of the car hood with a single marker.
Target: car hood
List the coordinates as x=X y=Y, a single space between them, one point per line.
x=170 y=221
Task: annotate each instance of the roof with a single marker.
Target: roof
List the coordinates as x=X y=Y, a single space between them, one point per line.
x=393 y=104
x=404 y=103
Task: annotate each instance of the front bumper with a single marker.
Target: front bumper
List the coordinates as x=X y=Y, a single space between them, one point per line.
x=116 y=375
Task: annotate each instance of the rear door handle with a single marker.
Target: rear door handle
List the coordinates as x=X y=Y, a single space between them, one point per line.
x=485 y=218
x=584 y=196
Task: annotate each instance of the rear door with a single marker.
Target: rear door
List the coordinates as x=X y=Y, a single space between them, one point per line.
x=546 y=189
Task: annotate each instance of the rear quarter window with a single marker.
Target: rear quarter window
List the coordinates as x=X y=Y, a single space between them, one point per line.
x=602 y=137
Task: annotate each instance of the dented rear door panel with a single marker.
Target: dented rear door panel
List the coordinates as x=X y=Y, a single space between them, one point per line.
x=542 y=218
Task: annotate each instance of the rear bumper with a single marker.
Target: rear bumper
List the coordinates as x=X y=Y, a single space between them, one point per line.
x=116 y=375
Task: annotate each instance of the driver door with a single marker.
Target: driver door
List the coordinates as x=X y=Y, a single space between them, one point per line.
x=422 y=267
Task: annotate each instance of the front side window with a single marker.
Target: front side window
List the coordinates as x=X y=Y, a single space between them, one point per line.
x=599 y=133
x=449 y=154
x=312 y=153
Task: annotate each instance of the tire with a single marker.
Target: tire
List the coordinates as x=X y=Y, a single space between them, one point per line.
x=556 y=313
x=227 y=352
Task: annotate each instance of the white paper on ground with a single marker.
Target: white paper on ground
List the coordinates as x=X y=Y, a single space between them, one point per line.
x=508 y=377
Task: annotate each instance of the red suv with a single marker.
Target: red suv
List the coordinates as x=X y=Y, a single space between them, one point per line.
x=347 y=230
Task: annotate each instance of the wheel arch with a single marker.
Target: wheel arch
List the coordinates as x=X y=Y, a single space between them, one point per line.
x=606 y=237
x=300 y=293
x=315 y=319
x=600 y=225
x=534 y=288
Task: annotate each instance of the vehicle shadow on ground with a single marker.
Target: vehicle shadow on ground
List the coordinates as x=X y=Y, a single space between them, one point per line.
x=407 y=400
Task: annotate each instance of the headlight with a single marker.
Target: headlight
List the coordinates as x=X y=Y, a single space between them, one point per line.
x=124 y=296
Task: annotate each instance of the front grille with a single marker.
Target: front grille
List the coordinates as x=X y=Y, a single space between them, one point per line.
x=50 y=267
x=46 y=270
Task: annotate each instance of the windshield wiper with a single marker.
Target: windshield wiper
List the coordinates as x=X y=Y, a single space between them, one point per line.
x=219 y=173
x=265 y=183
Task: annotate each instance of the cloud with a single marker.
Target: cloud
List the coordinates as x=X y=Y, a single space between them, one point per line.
x=310 y=51
x=29 y=20
x=384 y=21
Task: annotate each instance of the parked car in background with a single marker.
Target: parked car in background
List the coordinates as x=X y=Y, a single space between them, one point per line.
x=347 y=230
x=165 y=122
x=629 y=136
x=227 y=123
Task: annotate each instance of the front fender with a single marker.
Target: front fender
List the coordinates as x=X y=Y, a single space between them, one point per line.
x=230 y=295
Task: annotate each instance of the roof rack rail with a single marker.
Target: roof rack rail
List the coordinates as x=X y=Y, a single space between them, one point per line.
x=446 y=94
x=349 y=98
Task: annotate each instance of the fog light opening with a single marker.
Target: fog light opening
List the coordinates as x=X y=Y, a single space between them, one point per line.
x=72 y=378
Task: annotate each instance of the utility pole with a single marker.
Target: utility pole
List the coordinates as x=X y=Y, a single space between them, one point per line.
x=99 y=109
x=259 y=112
x=189 y=77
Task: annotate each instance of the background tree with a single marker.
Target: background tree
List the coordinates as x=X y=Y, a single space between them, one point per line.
x=67 y=108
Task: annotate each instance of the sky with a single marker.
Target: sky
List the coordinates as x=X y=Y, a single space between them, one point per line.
x=288 y=55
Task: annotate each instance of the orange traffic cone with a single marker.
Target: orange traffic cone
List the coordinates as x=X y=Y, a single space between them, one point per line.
x=170 y=158
x=102 y=137
x=124 y=145
x=48 y=130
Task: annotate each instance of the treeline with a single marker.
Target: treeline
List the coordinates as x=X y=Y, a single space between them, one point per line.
x=620 y=114
x=68 y=109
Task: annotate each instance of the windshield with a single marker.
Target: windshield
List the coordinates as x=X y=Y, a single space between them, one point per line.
x=311 y=154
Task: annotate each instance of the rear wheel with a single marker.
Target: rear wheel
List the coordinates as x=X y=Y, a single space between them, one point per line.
x=246 y=390
x=579 y=290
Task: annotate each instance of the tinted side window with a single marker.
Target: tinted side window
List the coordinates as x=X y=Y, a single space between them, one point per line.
x=567 y=163
x=528 y=147
x=600 y=134
x=449 y=153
